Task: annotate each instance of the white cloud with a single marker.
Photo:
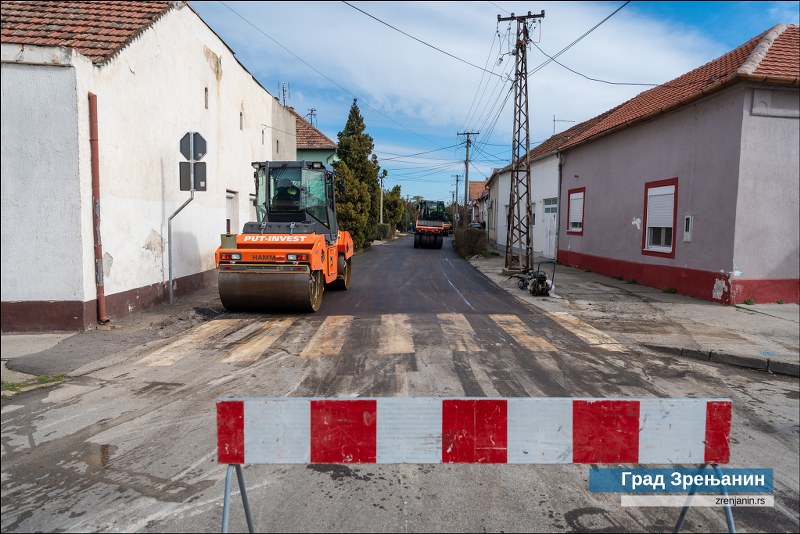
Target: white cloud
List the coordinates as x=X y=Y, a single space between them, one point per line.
x=420 y=90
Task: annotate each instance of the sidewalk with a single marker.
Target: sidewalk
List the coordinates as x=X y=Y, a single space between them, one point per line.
x=761 y=336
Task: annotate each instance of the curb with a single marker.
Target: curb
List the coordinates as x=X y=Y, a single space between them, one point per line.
x=751 y=362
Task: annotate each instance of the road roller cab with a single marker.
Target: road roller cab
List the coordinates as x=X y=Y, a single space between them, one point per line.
x=294 y=250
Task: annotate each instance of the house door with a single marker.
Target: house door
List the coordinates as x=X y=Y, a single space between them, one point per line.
x=550 y=223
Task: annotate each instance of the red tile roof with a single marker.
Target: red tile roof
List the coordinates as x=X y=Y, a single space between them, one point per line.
x=772 y=57
x=476 y=189
x=309 y=137
x=98 y=30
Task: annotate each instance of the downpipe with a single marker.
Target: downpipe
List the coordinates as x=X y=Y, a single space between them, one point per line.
x=102 y=317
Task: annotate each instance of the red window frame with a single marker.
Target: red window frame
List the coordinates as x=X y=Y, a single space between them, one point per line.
x=647 y=187
x=583 y=210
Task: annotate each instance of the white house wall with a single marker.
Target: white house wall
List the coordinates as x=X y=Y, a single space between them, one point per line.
x=148 y=97
x=41 y=239
x=499 y=191
x=544 y=184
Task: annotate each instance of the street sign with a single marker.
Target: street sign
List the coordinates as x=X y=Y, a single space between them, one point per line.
x=199 y=146
x=199 y=175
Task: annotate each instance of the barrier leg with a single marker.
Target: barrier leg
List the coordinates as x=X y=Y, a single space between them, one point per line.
x=226 y=502
x=728 y=510
x=240 y=478
x=686 y=506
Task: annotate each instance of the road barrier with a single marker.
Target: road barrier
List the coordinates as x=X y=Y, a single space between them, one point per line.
x=430 y=430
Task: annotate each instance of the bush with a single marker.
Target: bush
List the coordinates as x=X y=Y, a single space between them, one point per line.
x=670 y=290
x=470 y=242
x=384 y=231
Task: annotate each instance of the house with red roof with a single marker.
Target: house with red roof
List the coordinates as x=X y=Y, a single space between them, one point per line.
x=693 y=185
x=478 y=194
x=312 y=144
x=96 y=99
x=690 y=186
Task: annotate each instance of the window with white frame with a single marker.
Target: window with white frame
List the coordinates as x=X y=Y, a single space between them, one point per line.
x=575 y=210
x=550 y=205
x=660 y=216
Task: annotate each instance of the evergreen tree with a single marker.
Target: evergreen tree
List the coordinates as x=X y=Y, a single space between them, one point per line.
x=352 y=207
x=394 y=207
x=355 y=151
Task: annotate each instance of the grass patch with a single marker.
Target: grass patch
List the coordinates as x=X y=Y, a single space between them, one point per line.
x=37 y=381
x=749 y=302
x=780 y=301
x=669 y=290
x=587 y=270
x=632 y=281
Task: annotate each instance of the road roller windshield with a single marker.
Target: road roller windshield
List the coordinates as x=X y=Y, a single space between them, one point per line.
x=296 y=190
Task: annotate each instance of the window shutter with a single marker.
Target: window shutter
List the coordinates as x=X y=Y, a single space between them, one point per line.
x=576 y=207
x=660 y=207
x=229 y=207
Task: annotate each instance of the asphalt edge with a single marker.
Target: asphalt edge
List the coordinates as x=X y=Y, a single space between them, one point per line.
x=736 y=360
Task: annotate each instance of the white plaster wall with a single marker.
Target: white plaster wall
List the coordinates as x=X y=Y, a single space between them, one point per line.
x=42 y=254
x=149 y=96
x=700 y=145
x=499 y=192
x=544 y=184
x=767 y=229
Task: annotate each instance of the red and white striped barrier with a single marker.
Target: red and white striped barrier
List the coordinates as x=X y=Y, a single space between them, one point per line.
x=473 y=430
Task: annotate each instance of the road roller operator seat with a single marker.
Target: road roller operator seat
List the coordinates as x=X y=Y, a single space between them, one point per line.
x=287 y=196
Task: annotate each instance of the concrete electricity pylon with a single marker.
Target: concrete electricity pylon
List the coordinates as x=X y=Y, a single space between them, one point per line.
x=519 y=246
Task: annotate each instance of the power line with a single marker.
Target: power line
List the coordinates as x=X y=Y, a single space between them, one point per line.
x=573 y=43
x=323 y=75
x=420 y=40
x=587 y=77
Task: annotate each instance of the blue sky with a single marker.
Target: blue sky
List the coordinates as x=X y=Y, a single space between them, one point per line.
x=425 y=71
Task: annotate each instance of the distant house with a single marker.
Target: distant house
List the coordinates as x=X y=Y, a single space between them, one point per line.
x=478 y=194
x=312 y=144
x=96 y=96
x=693 y=185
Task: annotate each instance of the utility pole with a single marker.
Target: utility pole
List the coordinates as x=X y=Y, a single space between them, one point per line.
x=455 y=209
x=519 y=203
x=381 y=199
x=466 y=176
